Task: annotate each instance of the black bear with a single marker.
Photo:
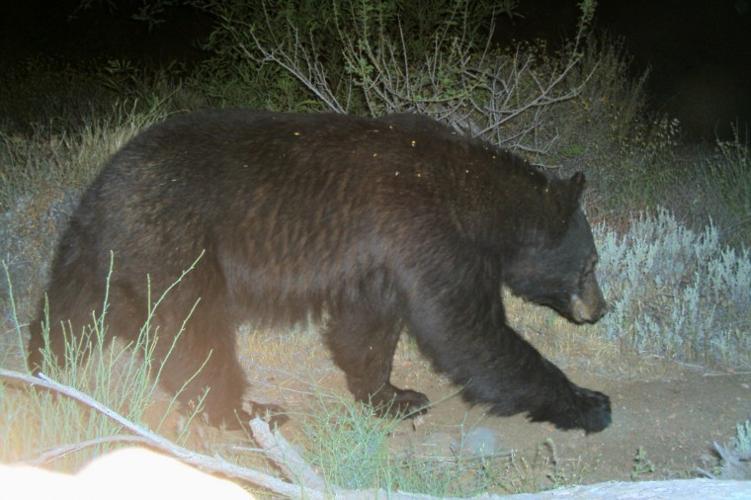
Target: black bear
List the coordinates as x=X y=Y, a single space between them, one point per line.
x=381 y=223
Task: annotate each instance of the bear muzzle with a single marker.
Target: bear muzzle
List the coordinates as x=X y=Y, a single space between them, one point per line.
x=590 y=306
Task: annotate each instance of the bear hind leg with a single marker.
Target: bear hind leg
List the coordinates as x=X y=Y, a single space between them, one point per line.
x=362 y=344
x=210 y=347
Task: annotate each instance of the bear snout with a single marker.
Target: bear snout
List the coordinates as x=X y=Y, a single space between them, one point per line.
x=589 y=307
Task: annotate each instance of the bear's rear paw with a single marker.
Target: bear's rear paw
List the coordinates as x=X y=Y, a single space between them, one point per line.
x=399 y=403
x=580 y=409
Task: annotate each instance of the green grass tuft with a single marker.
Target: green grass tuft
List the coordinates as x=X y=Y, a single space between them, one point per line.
x=351 y=447
x=122 y=377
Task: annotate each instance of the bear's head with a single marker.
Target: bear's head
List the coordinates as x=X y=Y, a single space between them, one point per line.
x=556 y=265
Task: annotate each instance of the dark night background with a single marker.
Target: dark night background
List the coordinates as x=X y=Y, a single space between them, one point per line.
x=698 y=51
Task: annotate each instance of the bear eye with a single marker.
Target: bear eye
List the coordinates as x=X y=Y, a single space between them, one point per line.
x=589 y=268
x=585 y=275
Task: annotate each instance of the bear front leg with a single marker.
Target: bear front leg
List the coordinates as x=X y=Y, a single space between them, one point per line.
x=362 y=344
x=461 y=326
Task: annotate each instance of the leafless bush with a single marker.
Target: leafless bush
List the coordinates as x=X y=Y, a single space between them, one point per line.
x=366 y=58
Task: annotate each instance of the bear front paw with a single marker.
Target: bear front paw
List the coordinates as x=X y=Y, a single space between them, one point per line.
x=593 y=409
x=579 y=408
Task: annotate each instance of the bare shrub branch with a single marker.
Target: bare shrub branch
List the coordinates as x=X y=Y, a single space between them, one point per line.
x=499 y=96
x=295 y=53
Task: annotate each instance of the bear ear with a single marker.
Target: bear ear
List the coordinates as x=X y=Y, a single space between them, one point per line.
x=576 y=183
x=571 y=194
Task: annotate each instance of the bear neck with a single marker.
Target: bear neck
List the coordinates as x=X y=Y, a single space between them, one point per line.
x=516 y=204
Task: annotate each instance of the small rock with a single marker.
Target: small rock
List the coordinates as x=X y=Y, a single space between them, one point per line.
x=478 y=442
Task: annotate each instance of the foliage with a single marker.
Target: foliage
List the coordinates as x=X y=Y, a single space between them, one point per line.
x=727 y=181
x=675 y=292
x=742 y=440
x=365 y=57
x=67 y=158
x=122 y=377
x=351 y=448
x=43 y=92
x=734 y=457
x=642 y=465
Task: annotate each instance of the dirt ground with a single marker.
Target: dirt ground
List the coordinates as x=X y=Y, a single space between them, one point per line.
x=673 y=413
x=673 y=421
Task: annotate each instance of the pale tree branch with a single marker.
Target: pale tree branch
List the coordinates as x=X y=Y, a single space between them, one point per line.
x=204 y=462
x=58 y=452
